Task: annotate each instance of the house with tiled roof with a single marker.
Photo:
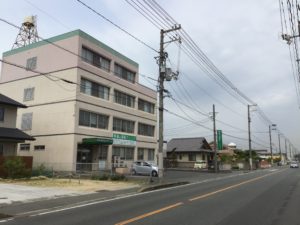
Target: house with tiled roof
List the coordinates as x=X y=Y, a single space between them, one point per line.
x=184 y=152
x=10 y=136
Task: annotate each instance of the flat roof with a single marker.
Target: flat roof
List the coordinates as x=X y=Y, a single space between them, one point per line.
x=68 y=35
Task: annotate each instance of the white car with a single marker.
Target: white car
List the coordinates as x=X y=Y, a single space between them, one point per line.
x=294 y=164
x=201 y=164
x=144 y=168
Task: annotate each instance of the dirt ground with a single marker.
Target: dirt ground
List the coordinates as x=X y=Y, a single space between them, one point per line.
x=75 y=184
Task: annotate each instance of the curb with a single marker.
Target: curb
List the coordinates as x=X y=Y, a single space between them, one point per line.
x=161 y=186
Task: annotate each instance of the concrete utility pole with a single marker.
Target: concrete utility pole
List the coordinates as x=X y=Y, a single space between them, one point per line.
x=215 y=141
x=271 y=149
x=285 y=146
x=161 y=79
x=249 y=138
x=279 y=146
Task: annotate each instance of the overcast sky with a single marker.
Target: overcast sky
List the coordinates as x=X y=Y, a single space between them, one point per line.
x=242 y=38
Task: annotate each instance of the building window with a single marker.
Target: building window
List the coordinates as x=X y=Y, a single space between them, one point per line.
x=94 y=89
x=95 y=59
x=146 y=106
x=192 y=156
x=146 y=130
x=39 y=147
x=1 y=114
x=151 y=154
x=124 y=99
x=31 y=63
x=26 y=121
x=124 y=73
x=140 y=155
x=122 y=125
x=90 y=119
x=24 y=147
x=1 y=149
x=125 y=153
x=28 y=94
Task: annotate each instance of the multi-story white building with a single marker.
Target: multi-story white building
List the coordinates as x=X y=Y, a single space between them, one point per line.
x=85 y=104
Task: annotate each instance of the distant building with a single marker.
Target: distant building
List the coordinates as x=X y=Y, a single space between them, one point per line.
x=186 y=151
x=10 y=136
x=87 y=106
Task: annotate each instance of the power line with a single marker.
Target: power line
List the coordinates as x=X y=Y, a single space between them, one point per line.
x=111 y=22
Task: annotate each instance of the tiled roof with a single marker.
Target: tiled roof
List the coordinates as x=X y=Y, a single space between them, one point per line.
x=8 y=101
x=14 y=134
x=188 y=145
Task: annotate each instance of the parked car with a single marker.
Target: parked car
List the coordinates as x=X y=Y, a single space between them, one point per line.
x=144 y=168
x=294 y=164
x=201 y=164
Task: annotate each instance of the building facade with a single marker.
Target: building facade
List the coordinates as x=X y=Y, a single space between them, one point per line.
x=85 y=103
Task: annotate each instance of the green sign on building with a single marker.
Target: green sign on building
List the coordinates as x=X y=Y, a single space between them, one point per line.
x=123 y=139
x=219 y=140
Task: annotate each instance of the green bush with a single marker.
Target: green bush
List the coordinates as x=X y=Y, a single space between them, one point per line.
x=41 y=170
x=117 y=177
x=15 y=168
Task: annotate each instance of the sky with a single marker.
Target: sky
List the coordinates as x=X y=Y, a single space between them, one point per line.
x=241 y=38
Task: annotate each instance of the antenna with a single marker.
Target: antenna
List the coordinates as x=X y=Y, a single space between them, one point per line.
x=28 y=33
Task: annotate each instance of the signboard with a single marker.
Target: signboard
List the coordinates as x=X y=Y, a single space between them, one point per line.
x=123 y=139
x=219 y=140
x=102 y=164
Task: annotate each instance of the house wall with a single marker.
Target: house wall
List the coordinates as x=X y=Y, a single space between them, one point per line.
x=10 y=114
x=9 y=149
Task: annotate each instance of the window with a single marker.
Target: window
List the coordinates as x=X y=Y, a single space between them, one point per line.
x=140 y=155
x=146 y=106
x=192 y=156
x=39 y=147
x=26 y=121
x=124 y=99
x=24 y=147
x=124 y=73
x=31 y=63
x=95 y=59
x=151 y=154
x=1 y=149
x=28 y=94
x=1 y=114
x=90 y=119
x=123 y=125
x=149 y=151
x=94 y=89
x=125 y=153
x=146 y=130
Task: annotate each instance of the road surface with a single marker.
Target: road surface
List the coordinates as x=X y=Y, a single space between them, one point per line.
x=268 y=197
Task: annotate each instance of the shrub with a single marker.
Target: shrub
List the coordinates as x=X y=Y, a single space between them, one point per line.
x=117 y=177
x=41 y=170
x=15 y=168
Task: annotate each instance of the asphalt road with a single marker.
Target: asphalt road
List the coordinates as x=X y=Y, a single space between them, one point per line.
x=269 y=197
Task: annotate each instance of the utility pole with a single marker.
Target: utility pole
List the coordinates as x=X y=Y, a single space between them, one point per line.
x=290 y=151
x=279 y=146
x=271 y=149
x=285 y=146
x=249 y=138
x=215 y=141
x=161 y=79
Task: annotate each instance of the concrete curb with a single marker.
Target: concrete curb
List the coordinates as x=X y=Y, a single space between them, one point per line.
x=161 y=186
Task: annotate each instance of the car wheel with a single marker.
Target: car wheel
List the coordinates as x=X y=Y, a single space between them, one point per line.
x=133 y=172
x=154 y=173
